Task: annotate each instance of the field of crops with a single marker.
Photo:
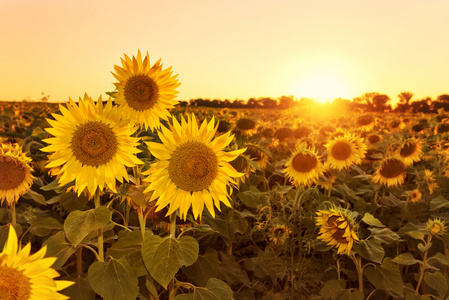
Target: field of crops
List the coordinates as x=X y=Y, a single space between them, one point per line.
x=221 y=203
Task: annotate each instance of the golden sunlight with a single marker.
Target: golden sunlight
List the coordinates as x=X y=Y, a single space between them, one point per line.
x=323 y=85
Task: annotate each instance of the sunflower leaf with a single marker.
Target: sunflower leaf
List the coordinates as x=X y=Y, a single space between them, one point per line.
x=113 y=280
x=204 y=268
x=437 y=282
x=79 y=224
x=405 y=259
x=371 y=220
x=57 y=246
x=163 y=257
x=214 y=290
x=386 y=277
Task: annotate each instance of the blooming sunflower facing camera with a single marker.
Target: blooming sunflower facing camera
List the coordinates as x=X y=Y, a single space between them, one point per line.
x=410 y=151
x=343 y=151
x=145 y=92
x=193 y=170
x=92 y=145
x=28 y=277
x=391 y=172
x=337 y=227
x=15 y=173
x=304 y=167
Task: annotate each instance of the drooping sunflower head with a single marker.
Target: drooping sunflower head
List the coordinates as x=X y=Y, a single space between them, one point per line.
x=257 y=154
x=391 y=172
x=304 y=167
x=429 y=179
x=145 y=92
x=337 y=227
x=409 y=151
x=344 y=151
x=28 y=277
x=283 y=134
x=193 y=170
x=92 y=145
x=374 y=138
x=415 y=195
x=301 y=132
x=241 y=165
x=436 y=227
x=326 y=180
x=245 y=127
x=365 y=122
x=15 y=173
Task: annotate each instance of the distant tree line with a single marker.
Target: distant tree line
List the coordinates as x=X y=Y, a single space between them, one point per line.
x=370 y=102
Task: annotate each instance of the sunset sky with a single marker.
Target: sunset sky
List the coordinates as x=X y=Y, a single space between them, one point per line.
x=228 y=49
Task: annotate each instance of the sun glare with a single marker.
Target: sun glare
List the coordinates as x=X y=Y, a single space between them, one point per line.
x=323 y=85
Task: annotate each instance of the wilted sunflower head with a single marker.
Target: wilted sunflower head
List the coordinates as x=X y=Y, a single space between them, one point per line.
x=391 y=172
x=304 y=167
x=92 y=145
x=28 y=277
x=344 y=151
x=15 y=173
x=301 y=132
x=279 y=234
x=283 y=133
x=436 y=227
x=145 y=92
x=193 y=170
x=337 y=227
x=409 y=151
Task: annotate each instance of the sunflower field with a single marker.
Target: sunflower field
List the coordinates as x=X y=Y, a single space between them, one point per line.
x=137 y=197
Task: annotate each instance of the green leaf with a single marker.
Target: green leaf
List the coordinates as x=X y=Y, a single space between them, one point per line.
x=442 y=258
x=416 y=234
x=423 y=248
x=79 y=224
x=370 y=249
x=113 y=280
x=129 y=245
x=438 y=202
x=384 y=235
x=230 y=271
x=38 y=198
x=386 y=277
x=254 y=198
x=350 y=295
x=405 y=259
x=332 y=287
x=214 y=290
x=437 y=282
x=44 y=226
x=204 y=268
x=58 y=247
x=71 y=202
x=164 y=256
x=371 y=220
x=81 y=290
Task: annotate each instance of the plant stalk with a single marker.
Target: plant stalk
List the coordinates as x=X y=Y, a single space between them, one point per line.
x=100 y=230
x=171 y=286
x=142 y=221
x=423 y=266
x=13 y=213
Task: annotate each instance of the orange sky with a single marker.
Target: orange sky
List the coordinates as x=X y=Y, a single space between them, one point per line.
x=228 y=49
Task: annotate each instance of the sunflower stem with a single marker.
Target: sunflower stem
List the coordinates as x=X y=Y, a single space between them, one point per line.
x=79 y=260
x=100 y=230
x=423 y=266
x=13 y=213
x=171 y=287
x=329 y=191
x=298 y=201
x=357 y=259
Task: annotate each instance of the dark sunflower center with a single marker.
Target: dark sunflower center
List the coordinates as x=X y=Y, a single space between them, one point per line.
x=94 y=143
x=246 y=124
x=392 y=168
x=304 y=162
x=374 y=138
x=193 y=166
x=12 y=173
x=341 y=150
x=13 y=284
x=253 y=153
x=337 y=233
x=365 y=120
x=408 y=149
x=141 y=92
x=279 y=231
x=240 y=164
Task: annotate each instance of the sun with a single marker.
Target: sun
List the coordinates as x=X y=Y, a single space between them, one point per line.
x=323 y=84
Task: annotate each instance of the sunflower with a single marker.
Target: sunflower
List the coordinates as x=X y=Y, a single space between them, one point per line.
x=409 y=151
x=257 y=154
x=327 y=179
x=304 y=167
x=145 y=92
x=245 y=127
x=92 y=145
x=28 y=277
x=415 y=196
x=436 y=227
x=374 y=138
x=279 y=234
x=344 y=151
x=430 y=180
x=337 y=227
x=15 y=173
x=391 y=172
x=365 y=122
x=241 y=165
x=193 y=170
